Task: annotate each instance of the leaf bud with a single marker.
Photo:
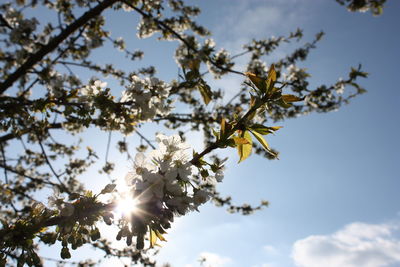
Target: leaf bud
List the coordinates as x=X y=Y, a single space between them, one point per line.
x=65 y=253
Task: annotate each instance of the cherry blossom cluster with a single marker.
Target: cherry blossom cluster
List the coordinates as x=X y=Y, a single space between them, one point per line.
x=148 y=98
x=295 y=73
x=221 y=61
x=165 y=177
x=164 y=185
x=21 y=28
x=184 y=56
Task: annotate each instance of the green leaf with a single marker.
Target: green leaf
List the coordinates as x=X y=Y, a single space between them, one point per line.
x=261 y=139
x=275 y=93
x=253 y=100
x=261 y=129
x=222 y=127
x=257 y=81
x=291 y=98
x=215 y=133
x=226 y=128
x=160 y=236
x=275 y=128
x=264 y=143
x=264 y=130
x=283 y=104
x=240 y=141
x=205 y=91
x=271 y=79
x=244 y=150
x=153 y=238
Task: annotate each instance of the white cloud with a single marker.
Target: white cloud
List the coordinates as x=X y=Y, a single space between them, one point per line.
x=259 y=19
x=357 y=244
x=213 y=259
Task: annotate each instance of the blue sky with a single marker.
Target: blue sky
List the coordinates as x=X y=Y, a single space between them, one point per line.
x=334 y=192
x=336 y=184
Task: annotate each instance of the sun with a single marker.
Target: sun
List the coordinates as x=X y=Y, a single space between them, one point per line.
x=126 y=206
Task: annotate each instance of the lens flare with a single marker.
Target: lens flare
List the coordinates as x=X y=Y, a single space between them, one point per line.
x=127 y=206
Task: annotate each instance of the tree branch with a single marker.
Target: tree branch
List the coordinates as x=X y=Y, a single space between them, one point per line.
x=164 y=26
x=10 y=136
x=54 y=43
x=237 y=126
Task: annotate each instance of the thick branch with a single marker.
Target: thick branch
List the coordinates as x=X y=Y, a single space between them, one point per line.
x=10 y=136
x=57 y=220
x=54 y=43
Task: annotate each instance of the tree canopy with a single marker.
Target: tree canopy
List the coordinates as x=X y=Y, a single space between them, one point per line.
x=43 y=94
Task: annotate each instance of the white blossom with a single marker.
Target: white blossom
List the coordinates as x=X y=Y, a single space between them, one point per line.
x=295 y=73
x=92 y=90
x=67 y=209
x=201 y=197
x=147 y=97
x=166 y=183
x=339 y=87
x=219 y=176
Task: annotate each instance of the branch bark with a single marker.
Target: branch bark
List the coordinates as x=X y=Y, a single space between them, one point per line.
x=10 y=136
x=54 y=43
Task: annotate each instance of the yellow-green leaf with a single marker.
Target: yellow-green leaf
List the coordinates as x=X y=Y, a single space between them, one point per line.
x=274 y=92
x=226 y=128
x=291 y=98
x=153 y=238
x=217 y=135
x=252 y=100
x=222 y=133
x=244 y=150
x=261 y=139
x=264 y=130
x=240 y=141
x=160 y=236
x=283 y=104
x=257 y=81
x=271 y=78
x=261 y=129
x=275 y=128
x=205 y=92
x=194 y=64
x=253 y=114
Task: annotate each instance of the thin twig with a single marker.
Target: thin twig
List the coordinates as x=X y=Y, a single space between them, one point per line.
x=145 y=139
x=4 y=162
x=127 y=150
x=108 y=146
x=234 y=97
x=238 y=124
x=38 y=180
x=163 y=26
x=51 y=166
